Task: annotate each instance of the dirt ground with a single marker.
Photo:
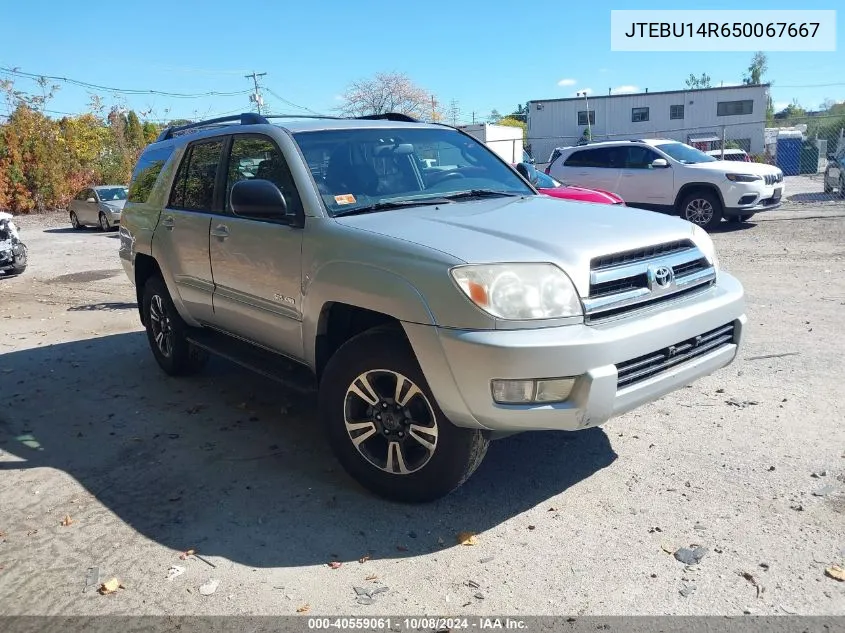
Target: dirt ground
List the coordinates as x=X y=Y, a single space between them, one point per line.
x=748 y=463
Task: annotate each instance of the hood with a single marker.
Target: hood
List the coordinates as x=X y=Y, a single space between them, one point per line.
x=572 y=192
x=114 y=205
x=530 y=229
x=736 y=167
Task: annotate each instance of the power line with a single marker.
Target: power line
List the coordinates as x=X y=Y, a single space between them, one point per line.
x=129 y=91
x=290 y=103
x=256 y=97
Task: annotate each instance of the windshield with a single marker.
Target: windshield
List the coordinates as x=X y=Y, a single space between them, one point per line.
x=112 y=193
x=684 y=153
x=360 y=168
x=544 y=181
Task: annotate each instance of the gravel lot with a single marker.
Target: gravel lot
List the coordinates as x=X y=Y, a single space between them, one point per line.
x=748 y=463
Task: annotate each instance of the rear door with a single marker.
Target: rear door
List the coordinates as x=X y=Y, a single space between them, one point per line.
x=597 y=167
x=88 y=210
x=256 y=262
x=640 y=183
x=181 y=237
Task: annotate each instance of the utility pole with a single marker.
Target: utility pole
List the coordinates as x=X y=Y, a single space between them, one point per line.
x=433 y=109
x=589 y=128
x=454 y=112
x=473 y=118
x=256 y=97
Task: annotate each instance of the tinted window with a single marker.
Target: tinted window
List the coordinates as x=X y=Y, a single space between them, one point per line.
x=638 y=157
x=582 y=117
x=193 y=188
x=111 y=194
x=254 y=157
x=684 y=153
x=146 y=173
x=607 y=157
x=81 y=195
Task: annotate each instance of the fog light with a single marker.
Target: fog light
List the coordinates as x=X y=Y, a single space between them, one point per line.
x=541 y=390
x=513 y=391
x=554 y=390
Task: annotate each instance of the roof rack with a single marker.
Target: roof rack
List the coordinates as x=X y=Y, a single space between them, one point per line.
x=246 y=118
x=389 y=116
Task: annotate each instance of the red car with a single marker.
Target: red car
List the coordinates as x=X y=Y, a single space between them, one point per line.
x=547 y=185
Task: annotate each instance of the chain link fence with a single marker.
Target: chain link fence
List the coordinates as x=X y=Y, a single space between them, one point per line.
x=809 y=150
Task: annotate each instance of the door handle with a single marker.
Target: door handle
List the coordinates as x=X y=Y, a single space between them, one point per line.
x=168 y=223
x=221 y=231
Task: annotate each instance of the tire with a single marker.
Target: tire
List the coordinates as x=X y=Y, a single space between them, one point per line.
x=174 y=354
x=827 y=187
x=842 y=186
x=74 y=221
x=434 y=467
x=702 y=208
x=105 y=227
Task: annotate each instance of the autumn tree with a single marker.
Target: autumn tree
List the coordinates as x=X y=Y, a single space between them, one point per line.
x=389 y=92
x=756 y=69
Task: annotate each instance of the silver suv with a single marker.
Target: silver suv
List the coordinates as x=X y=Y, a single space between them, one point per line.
x=414 y=278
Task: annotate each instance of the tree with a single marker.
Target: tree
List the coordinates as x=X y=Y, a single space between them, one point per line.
x=521 y=113
x=511 y=122
x=494 y=116
x=696 y=83
x=792 y=111
x=756 y=69
x=388 y=92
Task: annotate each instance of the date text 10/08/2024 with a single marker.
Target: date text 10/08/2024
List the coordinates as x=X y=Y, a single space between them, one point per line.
x=723 y=29
x=416 y=624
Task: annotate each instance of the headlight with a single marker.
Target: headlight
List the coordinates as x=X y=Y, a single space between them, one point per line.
x=743 y=177
x=519 y=291
x=705 y=244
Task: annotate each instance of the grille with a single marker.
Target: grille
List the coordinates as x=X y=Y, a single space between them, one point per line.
x=689 y=268
x=640 y=254
x=618 y=285
x=773 y=179
x=641 y=368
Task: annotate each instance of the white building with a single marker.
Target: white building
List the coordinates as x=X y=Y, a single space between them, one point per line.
x=697 y=117
x=505 y=140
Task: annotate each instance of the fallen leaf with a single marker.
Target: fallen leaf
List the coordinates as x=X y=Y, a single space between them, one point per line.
x=401 y=548
x=305 y=608
x=371 y=577
x=335 y=564
x=186 y=554
x=836 y=572
x=552 y=509
x=32 y=533
x=67 y=520
x=530 y=527
x=467 y=538
x=110 y=586
x=364 y=558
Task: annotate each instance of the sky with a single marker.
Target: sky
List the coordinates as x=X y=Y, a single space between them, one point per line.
x=483 y=55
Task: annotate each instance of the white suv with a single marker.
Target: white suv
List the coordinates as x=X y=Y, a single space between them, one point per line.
x=665 y=175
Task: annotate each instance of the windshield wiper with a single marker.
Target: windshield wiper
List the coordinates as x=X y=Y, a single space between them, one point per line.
x=481 y=193
x=391 y=204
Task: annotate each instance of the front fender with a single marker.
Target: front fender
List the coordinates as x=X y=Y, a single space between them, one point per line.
x=360 y=285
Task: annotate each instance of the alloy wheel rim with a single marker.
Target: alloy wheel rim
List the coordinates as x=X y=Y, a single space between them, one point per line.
x=161 y=326
x=390 y=421
x=74 y=221
x=699 y=211
x=104 y=223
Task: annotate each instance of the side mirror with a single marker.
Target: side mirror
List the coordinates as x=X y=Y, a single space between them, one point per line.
x=528 y=172
x=91 y=200
x=259 y=199
x=659 y=163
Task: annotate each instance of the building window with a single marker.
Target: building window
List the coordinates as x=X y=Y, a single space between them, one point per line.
x=639 y=115
x=676 y=112
x=582 y=117
x=734 y=108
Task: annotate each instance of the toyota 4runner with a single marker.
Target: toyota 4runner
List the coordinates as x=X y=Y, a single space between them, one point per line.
x=433 y=298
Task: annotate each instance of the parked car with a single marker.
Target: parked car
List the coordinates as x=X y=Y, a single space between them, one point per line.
x=834 y=173
x=13 y=252
x=672 y=177
x=433 y=311
x=547 y=185
x=98 y=206
x=730 y=154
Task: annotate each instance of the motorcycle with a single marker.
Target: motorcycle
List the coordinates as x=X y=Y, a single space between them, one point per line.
x=13 y=251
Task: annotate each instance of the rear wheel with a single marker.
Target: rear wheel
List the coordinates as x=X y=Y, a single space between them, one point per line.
x=702 y=208
x=385 y=427
x=167 y=332
x=74 y=221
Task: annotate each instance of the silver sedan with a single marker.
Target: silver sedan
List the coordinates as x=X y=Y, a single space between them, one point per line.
x=98 y=206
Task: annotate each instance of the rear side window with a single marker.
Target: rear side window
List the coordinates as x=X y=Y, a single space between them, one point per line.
x=555 y=155
x=146 y=173
x=601 y=157
x=193 y=187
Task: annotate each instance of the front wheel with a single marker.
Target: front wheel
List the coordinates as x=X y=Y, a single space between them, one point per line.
x=167 y=332
x=702 y=208
x=385 y=427
x=104 y=223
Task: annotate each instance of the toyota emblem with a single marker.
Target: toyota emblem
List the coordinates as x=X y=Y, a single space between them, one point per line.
x=662 y=276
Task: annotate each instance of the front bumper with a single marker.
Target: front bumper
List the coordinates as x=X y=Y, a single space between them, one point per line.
x=746 y=198
x=459 y=365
